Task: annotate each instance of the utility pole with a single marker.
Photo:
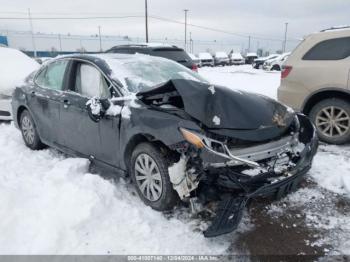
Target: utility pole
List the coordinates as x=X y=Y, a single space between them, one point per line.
x=32 y=33
x=99 y=33
x=191 y=42
x=60 y=42
x=285 y=38
x=185 y=10
x=146 y=20
x=249 y=44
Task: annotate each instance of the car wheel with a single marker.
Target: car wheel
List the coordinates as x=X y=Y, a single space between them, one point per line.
x=29 y=132
x=276 y=68
x=332 y=120
x=149 y=173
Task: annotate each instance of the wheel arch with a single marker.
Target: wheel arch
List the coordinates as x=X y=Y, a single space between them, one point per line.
x=19 y=112
x=322 y=94
x=138 y=139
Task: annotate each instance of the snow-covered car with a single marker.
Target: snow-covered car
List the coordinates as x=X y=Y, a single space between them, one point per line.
x=206 y=59
x=168 y=129
x=14 y=68
x=250 y=57
x=237 y=59
x=259 y=62
x=221 y=58
x=276 y=63
x=195 y=59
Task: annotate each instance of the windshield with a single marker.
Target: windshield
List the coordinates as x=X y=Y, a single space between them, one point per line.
x=142 y=72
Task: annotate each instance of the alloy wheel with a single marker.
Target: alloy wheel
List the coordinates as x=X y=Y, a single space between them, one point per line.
x=148 y=177
x=28 y=130
x=333 y=121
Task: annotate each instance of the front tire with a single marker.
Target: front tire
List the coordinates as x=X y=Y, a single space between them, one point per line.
x=29 y=131
x=332 y=120
x=149 y=173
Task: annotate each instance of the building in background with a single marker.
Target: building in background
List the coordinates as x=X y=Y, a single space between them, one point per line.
x=3 y=40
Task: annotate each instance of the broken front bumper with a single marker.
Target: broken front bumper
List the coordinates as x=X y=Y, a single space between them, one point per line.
x=230 y=210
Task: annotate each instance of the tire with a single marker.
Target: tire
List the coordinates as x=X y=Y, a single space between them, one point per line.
x=29 y=132
x=338 y=120
x=276 y=68
x=164 y=196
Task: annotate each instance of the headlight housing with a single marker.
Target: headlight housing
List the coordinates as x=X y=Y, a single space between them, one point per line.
x=192 y=138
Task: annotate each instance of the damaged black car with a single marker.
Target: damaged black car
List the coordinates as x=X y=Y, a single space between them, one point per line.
x=178 y=137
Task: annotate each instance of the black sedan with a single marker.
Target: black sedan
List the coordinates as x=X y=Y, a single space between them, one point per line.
x=177 y=136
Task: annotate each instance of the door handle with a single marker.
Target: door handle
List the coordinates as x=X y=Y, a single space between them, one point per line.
x=32 y=94
x=66 y=103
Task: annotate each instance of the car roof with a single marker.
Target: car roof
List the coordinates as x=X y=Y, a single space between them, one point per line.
x=148 y=46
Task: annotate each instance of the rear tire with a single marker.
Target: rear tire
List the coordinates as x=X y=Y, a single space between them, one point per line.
x=276 y=68
x=149 y=172
x=332 y=120
x=29 y=131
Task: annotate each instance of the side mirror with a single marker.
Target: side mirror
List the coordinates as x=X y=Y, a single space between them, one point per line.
x=97 y=108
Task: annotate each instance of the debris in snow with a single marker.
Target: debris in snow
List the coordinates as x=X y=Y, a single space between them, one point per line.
x=216 y=120
x=95 y=106
x=212 y=89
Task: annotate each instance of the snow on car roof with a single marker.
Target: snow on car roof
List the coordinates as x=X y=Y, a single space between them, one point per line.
x=236 y=56
x=221 y=54
x=205 y=56
x=251 y=54
x=14 y=68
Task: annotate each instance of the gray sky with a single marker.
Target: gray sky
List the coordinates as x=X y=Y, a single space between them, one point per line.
x=259 y=18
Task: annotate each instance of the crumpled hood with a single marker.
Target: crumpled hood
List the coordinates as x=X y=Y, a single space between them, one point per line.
x=218 y=107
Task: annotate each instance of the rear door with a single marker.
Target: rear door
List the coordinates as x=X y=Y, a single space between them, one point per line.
x=93 y=140
x=45 y=98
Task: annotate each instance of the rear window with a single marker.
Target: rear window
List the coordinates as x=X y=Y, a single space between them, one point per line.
x=332 y=49
x=176 y=55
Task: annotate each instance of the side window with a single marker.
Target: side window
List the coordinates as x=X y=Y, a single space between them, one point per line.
x=90 y=82
x=333 y=49
x=52 y=76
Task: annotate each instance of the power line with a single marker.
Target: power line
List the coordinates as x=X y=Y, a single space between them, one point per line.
x=153 y=17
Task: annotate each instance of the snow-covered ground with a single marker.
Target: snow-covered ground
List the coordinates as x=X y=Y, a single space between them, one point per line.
x=52 y=204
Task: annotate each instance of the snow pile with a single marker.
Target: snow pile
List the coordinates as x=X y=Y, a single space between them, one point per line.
x=15 y=66
x=50 y=204
x=331 y=168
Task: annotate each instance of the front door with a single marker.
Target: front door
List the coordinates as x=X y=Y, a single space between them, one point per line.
x=90 y=139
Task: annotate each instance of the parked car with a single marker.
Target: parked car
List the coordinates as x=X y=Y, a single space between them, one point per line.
x=237 y=59
x=316 y=81
x=259 y=62
x=162 y=50
x=167 y=128
x=221 y=58
x=195 y=59
x=250 y=57
x=15 y=67
x=276 y=63
x=206 y=59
